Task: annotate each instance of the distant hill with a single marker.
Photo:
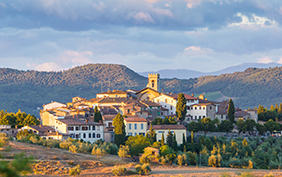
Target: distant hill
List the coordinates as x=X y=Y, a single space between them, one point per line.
x=187 y=74
x=29 y=90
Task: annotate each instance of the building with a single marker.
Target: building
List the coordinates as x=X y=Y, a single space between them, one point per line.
x=113 y=94
x=154 y=81
x=8 y=130
x=53 y=105
x=46 y=132
x=80 y=129
x=179 y=130
x=202 y=110
x=135 y=126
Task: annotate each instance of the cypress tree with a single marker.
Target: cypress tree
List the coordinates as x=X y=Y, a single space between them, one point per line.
x=170 y=139
x=151 y=135
x=231 y=111
x=181 y=107
x=280 y=108
x=174 y=143
x=120 y=135
x=97 y=114
x=276 y=107
x=162 y=141
x=272 y=108
x=183 y=139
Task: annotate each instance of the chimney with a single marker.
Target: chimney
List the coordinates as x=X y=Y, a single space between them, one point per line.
x=86 y=121
x=192 y=94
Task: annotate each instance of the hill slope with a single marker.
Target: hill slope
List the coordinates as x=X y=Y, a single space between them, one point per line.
x=27 y=90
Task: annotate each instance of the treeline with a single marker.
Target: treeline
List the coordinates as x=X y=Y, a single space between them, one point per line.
x=19 y=119
x=274 y=113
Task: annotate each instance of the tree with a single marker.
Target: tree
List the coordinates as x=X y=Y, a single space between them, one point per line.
x=169 y=139
x=260 y=128
x=240 y=126
x=118 y=123
x=181 y=109
x=272 y=108
x=30 y=120
x=162 y=141
x=137 y=144
x=280 y=108
x=272 y=126
x=249 y=125
x=226 y=126
x=193 y=126
x=207 y=125
x=151 y=134
x=123 y=151
x=175 y=147
x=183 y=139
x=97 y=115
x=231 y=111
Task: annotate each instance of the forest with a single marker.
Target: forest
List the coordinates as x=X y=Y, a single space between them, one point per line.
x=29 y=90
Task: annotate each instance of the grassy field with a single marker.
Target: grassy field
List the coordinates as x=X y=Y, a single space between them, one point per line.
x=56 y=162
x=211 y=95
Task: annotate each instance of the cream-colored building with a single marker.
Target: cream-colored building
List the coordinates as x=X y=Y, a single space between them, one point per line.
x=135 y=126
x=179 y=130
x=80 y=129
x=46 y=132
x=203 y=110
x=113 y=94
x=53 y=105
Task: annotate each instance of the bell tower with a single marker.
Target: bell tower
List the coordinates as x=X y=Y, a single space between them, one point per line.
x=154 y=81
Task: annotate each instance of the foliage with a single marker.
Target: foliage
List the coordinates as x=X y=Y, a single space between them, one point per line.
x=119 y=170
x=181 y=159
x=169 y=139
x=97 y=115
x=165 y=121
x=118 y=123
x=18 y=119
x=145 y=159
x=214 y=160
x=123 y=151
x=137 y=144
x=181 y=109
x=231 y=111
x=143 y=169
x=151 y=134
x=226 y=126
x=75 y=171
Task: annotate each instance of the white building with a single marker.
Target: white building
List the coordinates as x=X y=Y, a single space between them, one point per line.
x=179 y=130
x=135 y=126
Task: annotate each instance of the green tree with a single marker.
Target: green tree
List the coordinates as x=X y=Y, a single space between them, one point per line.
x=272 y=108
x=207 y=125
x=169 y=139
x=30 y=120
x=181 y=109
x=280 y=108
x=162 y=140
x=183 y=140
x=241 y=126
x=175 y=147
x=249 y=125
x=261 y=109
x=231 y=111
x=118 y=123
x=151 y=134
x=226 y=126
x=137 y=144
x=193 y=126
x=260 y=128
x=97 y=115
x=272 y=126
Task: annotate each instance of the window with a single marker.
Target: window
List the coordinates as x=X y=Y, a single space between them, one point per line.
x=98 y=135
x=170 y=107
x=199 y=117
x=200 y=108
x=150 y=107
x=153 y=83
x=77 y=128
x=135 y=126
x=204 y=116
x=210 y=107
x=110 y=124
x=84 y=128
x=98 y=128
x=129 y=126
x=141 y=126
x=93 y=127
x=70 y=128
x=195 y=117
x=84 y=135
x=204 y=108
x=129 y=134
x=158 y=113
x=135 y=134
x=142 y=134
x=76 y=136
x=128 y=111
x=195 y=108
x=93 y=135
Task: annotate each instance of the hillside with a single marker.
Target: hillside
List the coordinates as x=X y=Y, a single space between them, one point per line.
x=29 y=90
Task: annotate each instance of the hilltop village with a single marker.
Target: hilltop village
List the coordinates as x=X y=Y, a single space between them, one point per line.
x=139 y=109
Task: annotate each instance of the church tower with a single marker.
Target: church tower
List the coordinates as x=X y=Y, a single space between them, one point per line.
x=154 y=81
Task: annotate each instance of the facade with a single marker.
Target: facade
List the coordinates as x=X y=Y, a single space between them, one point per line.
x=135 y=126
x=202 y=110
x=80 y=129
x=113 y=94
x=53 y=105
x=8 y=130
x=46 y=132
x=154 y=81
x=178 y=129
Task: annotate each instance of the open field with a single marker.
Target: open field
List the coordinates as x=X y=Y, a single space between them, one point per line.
x=56 y=162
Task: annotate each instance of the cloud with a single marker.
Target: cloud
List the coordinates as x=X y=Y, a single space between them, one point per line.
x=265 y=60
x=49 y=66
x=253 y=20
x=143 y=17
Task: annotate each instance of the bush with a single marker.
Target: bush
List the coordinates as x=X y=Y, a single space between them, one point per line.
x=269 y=175
x=181 y=159
x=98 y=151
x=214 y=160
x=33 y=139
x=164 y=161
x=65 y=144
x=73 y=148
x=225 y=175
x=119 y=170
x=145 y=159
x=192 y=158
x=247 y=174
x=75 y=171
x=143 y=169
x=3 y=140
x=123 y=151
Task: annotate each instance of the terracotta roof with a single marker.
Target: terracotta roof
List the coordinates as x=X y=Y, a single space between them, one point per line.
x=150 y=103
x=241 y=113
x=165 y=127
x=107 y=110
x=113 y=92
x=201 y=104
x=147 y=88
x=77 y=122
x=207 y=101
x=135 y=119
x=113 y=100
x=109 y=117
x=41 y=128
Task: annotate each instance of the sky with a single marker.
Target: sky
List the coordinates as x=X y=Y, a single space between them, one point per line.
x=145 y=35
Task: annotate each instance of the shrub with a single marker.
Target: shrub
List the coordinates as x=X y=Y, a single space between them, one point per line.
x=123 y=151
x=145 y=159
x=33 y=139
x=73 y=148
x=181 y=159
x=247 y=174
x=143 y=169
x=225 y=175
x=269 y=175
x=75 y=171
x=192 y=158
x=98 y=151
x=119 y=170
x=214 y=160
x=3 y=139
x=65 y=144
x=164 y=161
